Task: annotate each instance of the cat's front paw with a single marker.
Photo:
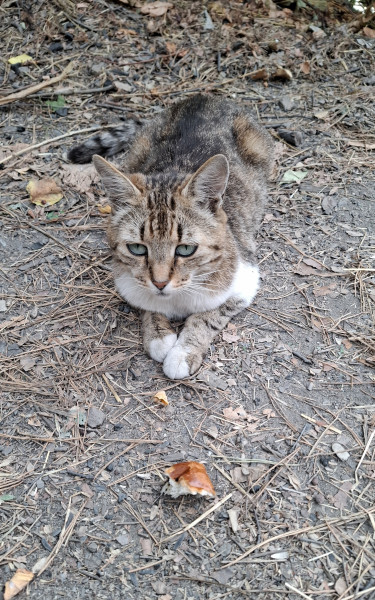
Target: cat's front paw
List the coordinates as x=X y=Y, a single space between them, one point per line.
x=159 y=347
x=180 y=363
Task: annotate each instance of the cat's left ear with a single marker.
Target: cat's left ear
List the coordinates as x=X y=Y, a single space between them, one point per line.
x=208 y=184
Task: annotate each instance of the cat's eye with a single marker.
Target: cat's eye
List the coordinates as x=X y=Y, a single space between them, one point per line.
x=137 y=249
x=185 y=250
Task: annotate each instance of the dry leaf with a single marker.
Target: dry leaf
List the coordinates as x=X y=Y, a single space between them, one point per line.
x=341 y=586
x=230 y=337
x=304 y=270
x=104 y=210
x=86 y=490
x=368 y=32
x=283 y=74
x=268 y=412
x=27 y=363
x=340 y=499
x=325 y=290
x=121 y=32
x=156 y=9
x=171 y=47
x=312 y=263
x=259 y=75
x=305 y=67
x=146 y=546
x=188 y=478
x=21 y=59
x=161 y=398
x=234 y=414
x=44 y=192
x=79 y=177
x=18 y=582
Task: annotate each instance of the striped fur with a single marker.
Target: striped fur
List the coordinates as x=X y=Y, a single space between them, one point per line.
x=195 y=175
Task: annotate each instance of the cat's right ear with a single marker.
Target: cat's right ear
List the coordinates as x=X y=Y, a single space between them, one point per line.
x=208 y=184
x=119 y=188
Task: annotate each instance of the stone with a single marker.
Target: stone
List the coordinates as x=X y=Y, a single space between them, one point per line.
x=340 y=451
x=96 y=417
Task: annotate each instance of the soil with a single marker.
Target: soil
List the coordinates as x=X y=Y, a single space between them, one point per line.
x=282 y=412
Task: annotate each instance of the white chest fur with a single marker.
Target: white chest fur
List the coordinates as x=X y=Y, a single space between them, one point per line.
x=179 y=304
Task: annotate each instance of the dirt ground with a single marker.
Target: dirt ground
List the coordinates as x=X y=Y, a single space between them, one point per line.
x=282 y=412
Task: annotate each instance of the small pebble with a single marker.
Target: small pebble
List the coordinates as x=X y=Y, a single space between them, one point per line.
x=340 y=451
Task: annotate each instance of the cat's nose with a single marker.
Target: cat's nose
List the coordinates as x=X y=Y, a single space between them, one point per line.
x=160 y=284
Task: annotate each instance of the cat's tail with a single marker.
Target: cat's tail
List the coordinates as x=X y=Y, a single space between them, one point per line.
x=106 y=143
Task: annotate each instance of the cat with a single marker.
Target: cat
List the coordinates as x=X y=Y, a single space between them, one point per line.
x=186 y=205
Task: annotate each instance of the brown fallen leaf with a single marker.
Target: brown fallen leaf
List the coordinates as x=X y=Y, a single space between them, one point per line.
x=79 y=177
x=161 y=398
x=312 y=263
x=104 y=210
x=34 y=421
x=230 y=338
x=156 y=9
x=18 y=582
x=368 y=32
x=283 y=74
x=188 y=478
x=171 y=47
x=341 y=498
x=27 y=363
x=304 y=270
x=325 y=290
x=305 y=67
x=341 y=586
x=259 y=75
x=268 y=412
x=234 y=414
x=44 y=192
x=121 y=32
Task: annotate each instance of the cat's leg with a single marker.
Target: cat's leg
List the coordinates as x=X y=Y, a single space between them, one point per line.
x=158 y=335
x=200 y=329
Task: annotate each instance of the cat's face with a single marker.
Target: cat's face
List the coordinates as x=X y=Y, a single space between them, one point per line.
x=169 y=239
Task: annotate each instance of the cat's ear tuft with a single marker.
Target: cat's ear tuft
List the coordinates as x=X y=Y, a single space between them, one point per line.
x=208 y=184
x=119 y=188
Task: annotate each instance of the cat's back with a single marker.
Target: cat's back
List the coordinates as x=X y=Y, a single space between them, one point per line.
x=191 y=131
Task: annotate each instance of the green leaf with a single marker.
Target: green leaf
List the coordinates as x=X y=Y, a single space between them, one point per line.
x=54 y=104
x=6 y=498
x=296 y=176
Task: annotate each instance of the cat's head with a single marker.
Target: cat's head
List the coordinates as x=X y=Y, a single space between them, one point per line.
x=168 y=231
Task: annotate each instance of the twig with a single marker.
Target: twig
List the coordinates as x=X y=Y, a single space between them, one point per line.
x=50 y=141
x=321 y=424
x=369 y=441
x=65 y=534
x=72 y=91
x=286 y=534
x=296 y=591
x=35 y=88
x=199 y=519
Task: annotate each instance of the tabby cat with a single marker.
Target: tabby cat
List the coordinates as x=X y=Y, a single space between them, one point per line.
x=186 y=205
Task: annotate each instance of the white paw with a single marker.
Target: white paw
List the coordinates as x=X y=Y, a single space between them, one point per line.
x=175 y=365
x=160 y=347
